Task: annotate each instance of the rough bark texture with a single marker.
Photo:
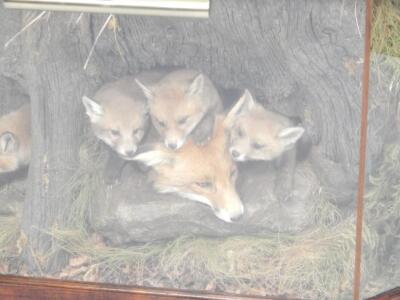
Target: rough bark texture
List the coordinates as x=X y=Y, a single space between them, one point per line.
x=12 y=93
x=53 y=72
x=298 y=57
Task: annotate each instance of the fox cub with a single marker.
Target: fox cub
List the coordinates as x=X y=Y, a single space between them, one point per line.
x=183 y=103
x=15 y=139
x=118 y=115
x=203 y=173
x=260 y=134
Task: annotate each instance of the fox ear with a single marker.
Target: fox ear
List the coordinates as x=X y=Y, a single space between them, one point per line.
x=145 y=89
x=153 y=155
x=289 y=136
x=8 y=142
x=196 y=86
x=242 y=106
x=93 y=109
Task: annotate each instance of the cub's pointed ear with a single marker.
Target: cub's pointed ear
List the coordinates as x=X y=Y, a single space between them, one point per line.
x=93 y=109
x=8 y=142
x=289 y=136
x=147 y=91
x=196 y=86
x=153 y=155
x=242 y=106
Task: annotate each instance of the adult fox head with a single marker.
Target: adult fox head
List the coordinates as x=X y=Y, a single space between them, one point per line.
x=177 y=104
x=15 y=139
x=119 y=116
x=203 y=173
x=259 y=134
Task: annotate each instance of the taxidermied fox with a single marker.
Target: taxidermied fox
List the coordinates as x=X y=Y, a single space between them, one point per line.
x=119 y=117
x=203 y=173
x=259 y=134
x=15 y=139
x=184 y=103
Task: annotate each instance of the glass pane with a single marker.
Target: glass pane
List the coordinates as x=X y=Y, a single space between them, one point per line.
x=217 y=154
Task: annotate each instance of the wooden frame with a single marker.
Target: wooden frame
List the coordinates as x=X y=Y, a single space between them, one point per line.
x=393 y=294
x=17 y=287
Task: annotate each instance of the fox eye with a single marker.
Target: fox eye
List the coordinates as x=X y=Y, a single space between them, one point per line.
x=114 y=132
x=162 y=124
x=137 y=131
x=183 y=120
x=258 y=146
x=204 y=184
x=239 y=132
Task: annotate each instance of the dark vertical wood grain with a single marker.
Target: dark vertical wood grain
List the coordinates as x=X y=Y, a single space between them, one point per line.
x=56 y=81
x=363 y=149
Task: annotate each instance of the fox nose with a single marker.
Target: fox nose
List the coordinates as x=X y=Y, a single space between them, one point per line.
x=172 y=145
x=230 y=216
x=130 y=153
x=236 y=218
x=238 y=214
x=235 y=153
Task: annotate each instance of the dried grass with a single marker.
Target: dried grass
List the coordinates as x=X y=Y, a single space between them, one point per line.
x=9 y=234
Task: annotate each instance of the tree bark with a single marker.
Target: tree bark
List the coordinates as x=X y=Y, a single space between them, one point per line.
x=11 y=90
x=55 y=81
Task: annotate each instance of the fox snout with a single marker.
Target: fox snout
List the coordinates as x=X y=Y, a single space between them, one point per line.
x=173 y=145
x=236 y=154
x=174 y=142
x=230 y=212
x=127 y=153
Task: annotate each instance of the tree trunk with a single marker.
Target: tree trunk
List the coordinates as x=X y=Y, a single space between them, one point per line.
x=55 y=79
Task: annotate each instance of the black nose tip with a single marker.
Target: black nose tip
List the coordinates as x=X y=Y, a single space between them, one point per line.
x=172 y=146
x=237 y=218
x=130 y=153
x=235 y=153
